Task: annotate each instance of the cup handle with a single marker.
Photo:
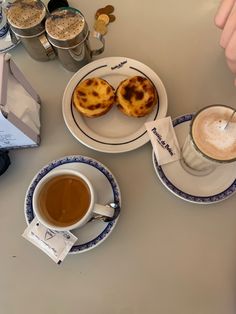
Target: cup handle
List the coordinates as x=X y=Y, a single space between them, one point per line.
x=47 y=46
x=102 y=40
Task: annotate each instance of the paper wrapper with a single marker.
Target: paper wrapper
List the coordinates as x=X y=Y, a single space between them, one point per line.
x=164 y=140
x=56 y=244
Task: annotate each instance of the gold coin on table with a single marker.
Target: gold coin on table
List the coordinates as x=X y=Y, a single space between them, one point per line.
x=105 y=18
x=100 y=27
x=111 y=18
x=99 y=12
x=109 y=9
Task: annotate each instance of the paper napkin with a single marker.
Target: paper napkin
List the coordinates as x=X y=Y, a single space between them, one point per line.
x=164 y=140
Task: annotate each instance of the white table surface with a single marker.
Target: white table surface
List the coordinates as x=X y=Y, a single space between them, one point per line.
x=165 y=255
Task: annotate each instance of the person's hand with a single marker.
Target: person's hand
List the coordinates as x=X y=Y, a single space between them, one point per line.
x=225 y=19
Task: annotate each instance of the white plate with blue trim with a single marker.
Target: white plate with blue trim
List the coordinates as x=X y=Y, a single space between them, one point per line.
x=113 y=132
x=95 y=232
x=214 y=187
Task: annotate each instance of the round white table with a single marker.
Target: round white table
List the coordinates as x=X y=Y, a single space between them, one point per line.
x=165 y=255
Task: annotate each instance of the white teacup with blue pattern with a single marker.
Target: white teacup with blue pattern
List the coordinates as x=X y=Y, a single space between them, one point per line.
x=60 y=203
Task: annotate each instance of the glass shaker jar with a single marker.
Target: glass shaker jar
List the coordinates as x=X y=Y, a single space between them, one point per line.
x=26 y=19
x=68 y=32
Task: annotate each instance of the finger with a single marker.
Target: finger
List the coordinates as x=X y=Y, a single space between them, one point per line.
x=230 y=53
x=223 y=12
x=229 y=28
x=232 y=66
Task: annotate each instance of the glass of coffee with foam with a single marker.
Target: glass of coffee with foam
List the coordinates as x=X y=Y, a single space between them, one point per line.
x=211 y=140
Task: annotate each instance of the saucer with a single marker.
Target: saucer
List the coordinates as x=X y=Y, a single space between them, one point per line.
x=214 y=187
x=95 y=232
x=7 y=44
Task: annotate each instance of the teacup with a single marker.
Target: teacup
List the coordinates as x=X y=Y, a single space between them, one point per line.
x=65 y=199
x=211 y=140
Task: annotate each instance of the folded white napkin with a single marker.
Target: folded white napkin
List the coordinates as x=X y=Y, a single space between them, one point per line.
x=20 y=102
x=164 y=140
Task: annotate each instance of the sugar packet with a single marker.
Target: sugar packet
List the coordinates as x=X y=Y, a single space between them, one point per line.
x=164 y=140
x=56 y=244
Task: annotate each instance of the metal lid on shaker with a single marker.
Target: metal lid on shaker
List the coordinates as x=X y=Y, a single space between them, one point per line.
x=27 y=17
x=66 y=28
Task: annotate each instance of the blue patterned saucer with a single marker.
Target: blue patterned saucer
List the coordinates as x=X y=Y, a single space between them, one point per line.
x=214 y=187
x=6 y=43
x=95 y=232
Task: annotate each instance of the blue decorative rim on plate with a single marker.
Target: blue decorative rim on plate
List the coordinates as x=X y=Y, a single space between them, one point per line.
x=192 y=198
x=29 y=213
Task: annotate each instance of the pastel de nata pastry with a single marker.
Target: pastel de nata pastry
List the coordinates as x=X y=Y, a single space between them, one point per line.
x=93 y=97
x=136 y=96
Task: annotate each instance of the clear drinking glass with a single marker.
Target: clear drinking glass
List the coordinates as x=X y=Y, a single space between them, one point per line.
x=210 y=142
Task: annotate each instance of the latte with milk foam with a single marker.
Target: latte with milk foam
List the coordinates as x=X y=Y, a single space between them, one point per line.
x=211 y=136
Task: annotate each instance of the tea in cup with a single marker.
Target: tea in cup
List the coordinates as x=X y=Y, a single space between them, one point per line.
x=211 y=141
x=65 y=199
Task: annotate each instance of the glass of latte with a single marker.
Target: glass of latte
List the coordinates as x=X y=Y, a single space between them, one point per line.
x=211 y=140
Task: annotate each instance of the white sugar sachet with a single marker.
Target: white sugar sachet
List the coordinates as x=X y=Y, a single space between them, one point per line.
x=56 y=244
x=164 y=140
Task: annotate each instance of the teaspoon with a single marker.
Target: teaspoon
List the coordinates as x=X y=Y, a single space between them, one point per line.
x=231 y=117
x=116 y=207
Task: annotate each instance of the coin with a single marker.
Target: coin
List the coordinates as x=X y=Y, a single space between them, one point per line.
x=105 y=18
x=100 y=27
x=99 y=12
x=109 y=9
x=106 y=10
x=111 y=18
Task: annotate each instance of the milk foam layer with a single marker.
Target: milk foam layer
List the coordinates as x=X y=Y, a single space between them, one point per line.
x=211 y=136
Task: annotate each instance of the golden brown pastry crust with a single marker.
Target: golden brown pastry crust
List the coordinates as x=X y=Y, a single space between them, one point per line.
x=136 y=96
x=93 y=97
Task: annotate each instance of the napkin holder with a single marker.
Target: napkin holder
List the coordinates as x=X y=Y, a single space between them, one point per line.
x=20 y=121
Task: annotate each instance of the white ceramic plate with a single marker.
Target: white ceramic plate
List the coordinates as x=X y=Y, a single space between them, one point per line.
x=114 y=132
x=214 y=187
x=95 y=232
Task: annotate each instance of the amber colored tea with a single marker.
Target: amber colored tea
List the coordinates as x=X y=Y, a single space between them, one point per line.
x=64 y=200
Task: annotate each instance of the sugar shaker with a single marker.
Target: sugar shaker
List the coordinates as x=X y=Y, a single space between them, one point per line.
x=68 y=33
x=26 y=19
